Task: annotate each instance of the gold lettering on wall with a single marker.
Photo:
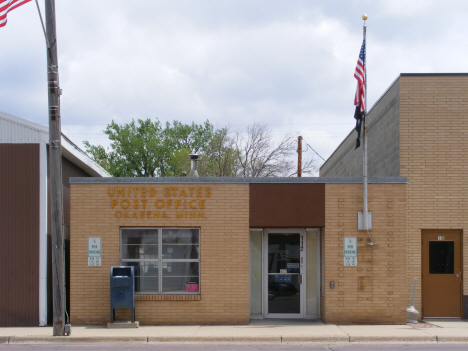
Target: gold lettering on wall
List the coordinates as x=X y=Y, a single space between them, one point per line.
x=141 y=214
x=131 y=191
x=189 y=202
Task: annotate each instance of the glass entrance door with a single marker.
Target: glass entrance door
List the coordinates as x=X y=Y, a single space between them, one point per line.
x=284 y=274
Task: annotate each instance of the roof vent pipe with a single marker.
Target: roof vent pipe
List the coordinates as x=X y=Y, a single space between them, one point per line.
x=193 y=168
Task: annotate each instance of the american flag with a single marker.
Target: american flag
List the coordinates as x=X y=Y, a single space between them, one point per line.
x=360 y=75
x=360 y=96
x=6 y=6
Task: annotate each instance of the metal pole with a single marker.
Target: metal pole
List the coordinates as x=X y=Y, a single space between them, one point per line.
x=55 y=164
x=299 y=156
x=364 y=139
x=42 y=22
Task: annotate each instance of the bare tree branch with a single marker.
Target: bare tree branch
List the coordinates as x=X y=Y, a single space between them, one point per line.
x=259 y=156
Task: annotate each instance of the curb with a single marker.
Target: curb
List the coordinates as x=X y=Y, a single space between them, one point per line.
x=78 y=339
x=319 y=339
x=253 y=339
x=419 y=338
x=452 y=338
x=228 y=339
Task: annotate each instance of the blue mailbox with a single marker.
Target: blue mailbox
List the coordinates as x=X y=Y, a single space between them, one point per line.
x=122 y=289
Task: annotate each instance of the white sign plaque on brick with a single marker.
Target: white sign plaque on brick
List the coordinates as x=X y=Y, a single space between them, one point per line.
x=94 y=251
x=350 y=251
x=94 y=261
x=350 y=261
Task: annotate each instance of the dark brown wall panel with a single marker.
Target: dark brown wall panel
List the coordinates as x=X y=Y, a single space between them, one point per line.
x=287 y=205
x=19 y=235
x=69 y=169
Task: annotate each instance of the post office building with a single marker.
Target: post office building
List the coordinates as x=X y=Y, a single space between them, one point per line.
x=226 y=250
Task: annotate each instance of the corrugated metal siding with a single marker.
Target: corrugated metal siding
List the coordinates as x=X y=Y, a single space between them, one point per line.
x=19 y=235
x=12 y=131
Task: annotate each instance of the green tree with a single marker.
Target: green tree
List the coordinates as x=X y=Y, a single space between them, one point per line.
x=145 y=149
x=182 y=139
x=136 y=150
x=98 y=153
x=220 y=159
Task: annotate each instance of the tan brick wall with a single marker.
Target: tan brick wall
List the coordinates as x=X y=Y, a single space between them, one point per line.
x=374 y=291
x=434 y=151
x=224 y=253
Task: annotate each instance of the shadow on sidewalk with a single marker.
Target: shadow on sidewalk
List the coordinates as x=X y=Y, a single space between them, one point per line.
x=274 y=322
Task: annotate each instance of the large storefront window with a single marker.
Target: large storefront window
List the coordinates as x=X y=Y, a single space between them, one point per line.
x=166 y=260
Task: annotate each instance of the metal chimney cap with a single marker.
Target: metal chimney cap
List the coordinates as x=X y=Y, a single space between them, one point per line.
x=193 y=161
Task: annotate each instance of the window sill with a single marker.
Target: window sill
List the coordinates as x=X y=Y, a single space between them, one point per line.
x=188 y=297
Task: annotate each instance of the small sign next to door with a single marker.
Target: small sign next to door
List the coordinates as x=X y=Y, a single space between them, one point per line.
x=350 y=251
x=94 y=251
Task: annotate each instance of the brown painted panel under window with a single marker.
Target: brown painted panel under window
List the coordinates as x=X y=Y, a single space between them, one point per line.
x=287 y=205
x=19 y=235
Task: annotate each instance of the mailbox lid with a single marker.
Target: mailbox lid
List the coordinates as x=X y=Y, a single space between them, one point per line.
x=122 y=271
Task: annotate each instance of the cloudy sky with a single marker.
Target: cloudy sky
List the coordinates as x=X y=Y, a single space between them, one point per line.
x=288 y=64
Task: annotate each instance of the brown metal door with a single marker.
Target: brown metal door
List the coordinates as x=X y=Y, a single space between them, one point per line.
x=441 y=273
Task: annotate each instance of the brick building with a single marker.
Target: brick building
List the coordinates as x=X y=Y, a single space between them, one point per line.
x=418 y=130
x=225 y=250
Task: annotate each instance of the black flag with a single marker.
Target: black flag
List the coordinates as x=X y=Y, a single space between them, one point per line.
x=358 y=115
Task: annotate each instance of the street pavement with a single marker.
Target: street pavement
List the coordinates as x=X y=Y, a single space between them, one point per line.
x=266 y=331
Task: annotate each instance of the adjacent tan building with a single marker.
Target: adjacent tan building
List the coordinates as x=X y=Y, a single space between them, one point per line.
x=418 y=130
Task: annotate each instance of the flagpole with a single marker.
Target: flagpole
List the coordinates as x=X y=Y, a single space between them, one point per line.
x=364 y=139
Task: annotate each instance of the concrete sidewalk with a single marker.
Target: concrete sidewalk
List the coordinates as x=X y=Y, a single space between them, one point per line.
x=274 y=331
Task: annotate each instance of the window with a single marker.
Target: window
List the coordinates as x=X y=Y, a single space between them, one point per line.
x=166 y=260
x=441 y=257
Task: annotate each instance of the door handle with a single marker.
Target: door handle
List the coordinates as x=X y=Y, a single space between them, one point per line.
x=300 y=278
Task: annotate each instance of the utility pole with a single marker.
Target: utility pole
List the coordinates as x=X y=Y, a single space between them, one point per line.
x=55 y=164
x=299 y=156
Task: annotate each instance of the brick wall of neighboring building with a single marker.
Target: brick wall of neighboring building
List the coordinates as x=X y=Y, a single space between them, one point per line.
x=433 y=152
x=224 y=253
x=434 y=157
x=375 y=290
